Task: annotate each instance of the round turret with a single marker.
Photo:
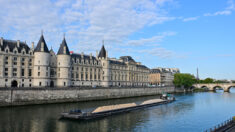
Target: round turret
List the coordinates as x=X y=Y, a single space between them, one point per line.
x=63 y=65
x=41 y=70
x=103 y=57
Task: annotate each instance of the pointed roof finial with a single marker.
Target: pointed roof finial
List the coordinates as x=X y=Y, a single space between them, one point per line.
x=64 y=35
x=103 y=41
x=42 y=32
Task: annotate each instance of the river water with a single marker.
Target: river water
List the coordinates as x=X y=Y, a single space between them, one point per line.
x=192 y=112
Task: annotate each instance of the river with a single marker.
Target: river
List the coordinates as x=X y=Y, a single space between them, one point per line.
x=192 y=112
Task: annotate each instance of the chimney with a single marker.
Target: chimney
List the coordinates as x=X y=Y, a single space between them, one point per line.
x=82 y=55
x=42 y=46
x=96 y=53
x=1 y=41
x=32 y=45
x=18 y=43
x=90 y=55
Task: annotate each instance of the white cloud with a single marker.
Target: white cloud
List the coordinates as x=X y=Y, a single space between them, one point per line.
x=162 y=2
x=150 y=41
x=190 y=19
x=231 y=5
x=226 y=12
x=159 y=52
x=85 y=23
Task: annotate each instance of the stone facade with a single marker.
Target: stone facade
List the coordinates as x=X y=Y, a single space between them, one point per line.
x=22 y=66
x=162 y=76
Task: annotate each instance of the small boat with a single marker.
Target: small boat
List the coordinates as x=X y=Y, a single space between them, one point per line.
x=104 y=111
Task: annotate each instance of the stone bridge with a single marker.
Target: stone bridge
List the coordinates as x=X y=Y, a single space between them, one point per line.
x=213 y=86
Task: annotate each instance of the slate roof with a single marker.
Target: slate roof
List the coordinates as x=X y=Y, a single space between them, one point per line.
x=39 y=45
x=12 y=44
x=127 y=58
x=102 y=52
x=61 y=49
x=142 y=66
x=116 y=62
x=85 y=57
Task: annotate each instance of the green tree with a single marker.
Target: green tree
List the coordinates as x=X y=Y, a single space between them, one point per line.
x=219 y=81
x=185 y=80
x=208 y=80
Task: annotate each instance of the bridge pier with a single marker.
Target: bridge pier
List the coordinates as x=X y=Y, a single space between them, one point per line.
x=226 y=89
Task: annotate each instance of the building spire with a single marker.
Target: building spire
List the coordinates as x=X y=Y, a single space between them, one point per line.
x=42 y=32
x=64 y=35
x=103 y=41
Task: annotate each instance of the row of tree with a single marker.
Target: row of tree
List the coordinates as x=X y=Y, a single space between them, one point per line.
x=187 y=80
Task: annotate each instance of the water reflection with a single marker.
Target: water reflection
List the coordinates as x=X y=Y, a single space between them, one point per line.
x=191 y=112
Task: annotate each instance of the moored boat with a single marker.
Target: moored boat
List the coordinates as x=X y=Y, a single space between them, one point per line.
x=104 y=111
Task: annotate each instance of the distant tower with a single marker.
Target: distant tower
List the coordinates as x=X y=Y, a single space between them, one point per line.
x=103 y=57
x=41 y=70
x=63 y=65
x=197 y=74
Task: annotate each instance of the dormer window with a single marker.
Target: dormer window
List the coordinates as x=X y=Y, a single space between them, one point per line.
x=23 y=52
x=15 y=52
x=6 y=50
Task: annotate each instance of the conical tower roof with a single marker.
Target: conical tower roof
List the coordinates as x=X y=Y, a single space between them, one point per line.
x=39 y=45
x=63 y=46
x=102 y=52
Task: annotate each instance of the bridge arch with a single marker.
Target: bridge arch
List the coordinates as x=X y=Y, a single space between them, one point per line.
x=232 y=86
x=217 y=86
x=204 y=87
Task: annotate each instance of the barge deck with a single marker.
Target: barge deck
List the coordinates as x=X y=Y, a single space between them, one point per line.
x=112 y=109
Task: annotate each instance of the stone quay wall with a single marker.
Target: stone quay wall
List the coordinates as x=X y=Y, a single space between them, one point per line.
x=29 y=96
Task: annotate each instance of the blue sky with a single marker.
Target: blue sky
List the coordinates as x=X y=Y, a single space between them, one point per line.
x=159 y=33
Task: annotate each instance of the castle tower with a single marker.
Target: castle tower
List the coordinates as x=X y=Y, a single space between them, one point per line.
x=63 y=65
x=103 y=57
x=41 y=71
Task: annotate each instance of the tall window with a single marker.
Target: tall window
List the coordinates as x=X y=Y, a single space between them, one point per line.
x=22 y=72
x=6 y=60
x=81 y=76
x=30 y=72
x=14 y=72
x=22 y=61
x=77 y=75
x=6 y=72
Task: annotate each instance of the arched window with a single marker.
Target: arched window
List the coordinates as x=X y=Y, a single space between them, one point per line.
x=6 y=50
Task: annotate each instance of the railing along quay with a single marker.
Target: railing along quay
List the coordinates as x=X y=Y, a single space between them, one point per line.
x=225 y=126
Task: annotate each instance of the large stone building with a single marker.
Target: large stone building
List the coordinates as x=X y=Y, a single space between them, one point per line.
x=22 y=66
x=162 y=76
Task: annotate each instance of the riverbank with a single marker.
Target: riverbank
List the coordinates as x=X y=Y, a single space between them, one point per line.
x=30 y=96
